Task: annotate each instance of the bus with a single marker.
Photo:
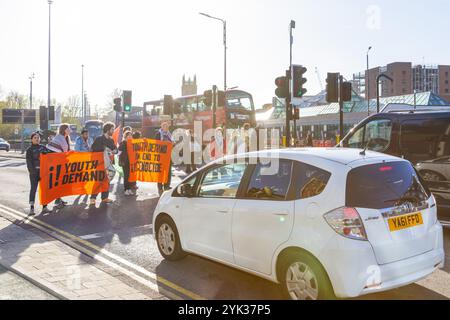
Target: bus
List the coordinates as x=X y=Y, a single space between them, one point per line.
x=238 y=110
x=94 y=127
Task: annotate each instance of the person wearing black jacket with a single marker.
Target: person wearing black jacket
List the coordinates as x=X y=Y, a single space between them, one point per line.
x=33 y=155
x=164 y=134
x=100 y=144
x=124 y=162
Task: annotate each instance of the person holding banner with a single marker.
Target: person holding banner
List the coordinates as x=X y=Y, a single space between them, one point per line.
x=124 y=162
x=163 y=134
x=60 y=143
x=83 y=142
x=33 y=156
x=100 y=145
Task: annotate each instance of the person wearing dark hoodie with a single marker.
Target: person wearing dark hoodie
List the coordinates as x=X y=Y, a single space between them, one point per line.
x=33 y=155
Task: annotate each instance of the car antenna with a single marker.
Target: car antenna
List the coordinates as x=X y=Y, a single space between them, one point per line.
x=363 y=153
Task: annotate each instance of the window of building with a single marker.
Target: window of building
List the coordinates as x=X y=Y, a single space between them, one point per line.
x=446 y=90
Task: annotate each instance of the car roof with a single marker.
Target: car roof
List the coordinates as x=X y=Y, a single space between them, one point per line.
x=409 y=115
x=343 y=156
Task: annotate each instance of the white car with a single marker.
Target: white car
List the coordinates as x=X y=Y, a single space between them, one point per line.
x=323 y=223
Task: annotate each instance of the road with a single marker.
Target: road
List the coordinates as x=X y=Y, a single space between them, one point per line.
x=122 y=232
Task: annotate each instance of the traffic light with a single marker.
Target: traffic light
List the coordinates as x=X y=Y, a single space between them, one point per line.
x=282 y=90
x=332 y=87
x=127 y=100
x=346 y=91
x=168 y=105
x=118 y=104
x=299 y=81
x=51 y=113
x=221 y=99
x=296 y=114
x=208 y=98
x=43 y=121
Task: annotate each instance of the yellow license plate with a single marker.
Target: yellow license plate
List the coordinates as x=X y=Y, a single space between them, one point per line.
x=405 y=222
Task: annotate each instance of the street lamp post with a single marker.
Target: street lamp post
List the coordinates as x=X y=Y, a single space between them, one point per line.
x=49 y=48
x=82 y=95
x=368 y=83
x=31 y=90
x=378 y=88
x=224 y=47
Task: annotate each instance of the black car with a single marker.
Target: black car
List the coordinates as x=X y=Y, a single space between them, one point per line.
x=422 y=137
x=4 y=145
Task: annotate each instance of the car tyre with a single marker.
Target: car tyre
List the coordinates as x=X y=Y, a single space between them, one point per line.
x=302 y=277
x=168 y=239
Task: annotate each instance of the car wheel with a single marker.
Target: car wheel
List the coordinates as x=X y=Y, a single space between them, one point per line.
x=304 y=278
x=168 y=240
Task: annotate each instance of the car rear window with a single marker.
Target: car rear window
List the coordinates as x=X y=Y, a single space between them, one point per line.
x=384 y=185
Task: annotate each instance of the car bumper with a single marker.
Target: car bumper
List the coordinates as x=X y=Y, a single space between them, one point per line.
x=353 y=269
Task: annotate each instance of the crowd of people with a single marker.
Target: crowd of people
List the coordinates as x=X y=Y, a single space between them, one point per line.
x=84 y=143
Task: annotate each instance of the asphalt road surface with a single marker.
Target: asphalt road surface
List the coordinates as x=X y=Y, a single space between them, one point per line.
x=124 y=230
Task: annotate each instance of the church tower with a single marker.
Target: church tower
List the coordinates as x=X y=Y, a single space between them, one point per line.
x=189 y=87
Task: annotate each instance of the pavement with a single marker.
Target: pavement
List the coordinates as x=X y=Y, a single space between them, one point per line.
x=118 y=240
x=56 y=268
x=14 y=287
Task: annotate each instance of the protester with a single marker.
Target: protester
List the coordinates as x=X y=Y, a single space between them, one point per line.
x=33 y=155
x=246 y=136
x=125 y=129
x=218 y=147
x=309 y=140
x=60 y=143
x=83 y=142
x=136 y=135
x=195 y=148
x=124 y=162
x=163 y=134
x=100 y=144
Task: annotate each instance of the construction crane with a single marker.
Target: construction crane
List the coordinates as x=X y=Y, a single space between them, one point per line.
x=319 y=78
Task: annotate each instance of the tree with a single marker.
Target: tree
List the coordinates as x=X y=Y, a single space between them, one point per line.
x=71 y=110
x=15 y=100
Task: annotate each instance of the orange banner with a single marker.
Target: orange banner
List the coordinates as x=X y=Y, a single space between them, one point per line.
x=71 y=173
x=149 y=160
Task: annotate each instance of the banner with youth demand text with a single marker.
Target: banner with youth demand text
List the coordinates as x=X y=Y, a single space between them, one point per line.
x=149 y=160
x=71 y=173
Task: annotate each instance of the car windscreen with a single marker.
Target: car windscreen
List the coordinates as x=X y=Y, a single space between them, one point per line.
x=384 y=185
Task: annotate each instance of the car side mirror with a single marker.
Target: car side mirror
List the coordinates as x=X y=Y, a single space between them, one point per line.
x=185 y=190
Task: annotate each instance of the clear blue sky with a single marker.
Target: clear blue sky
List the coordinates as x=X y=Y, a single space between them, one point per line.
x=147 y=46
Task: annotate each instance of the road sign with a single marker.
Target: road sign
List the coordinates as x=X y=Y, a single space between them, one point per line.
x=14 y=116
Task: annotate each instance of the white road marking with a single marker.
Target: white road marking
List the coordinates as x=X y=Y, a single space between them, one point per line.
x=108 y=233
x=71 y=239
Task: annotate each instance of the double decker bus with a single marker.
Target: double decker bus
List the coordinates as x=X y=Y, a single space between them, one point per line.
x=238 y=110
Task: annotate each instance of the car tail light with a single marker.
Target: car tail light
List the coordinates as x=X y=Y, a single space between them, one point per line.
x=346 y=222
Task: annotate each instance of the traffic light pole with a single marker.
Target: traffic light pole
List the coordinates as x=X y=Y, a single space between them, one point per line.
x=288 y=113
x=214 y=105
x=291 y=86
x=341 y=109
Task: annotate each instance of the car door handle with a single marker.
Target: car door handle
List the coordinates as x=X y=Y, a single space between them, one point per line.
x=281 y=214
x=223 y=211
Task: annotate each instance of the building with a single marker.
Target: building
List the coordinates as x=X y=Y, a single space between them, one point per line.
x=323 y=120
x=407 y=79
x=189 y=87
